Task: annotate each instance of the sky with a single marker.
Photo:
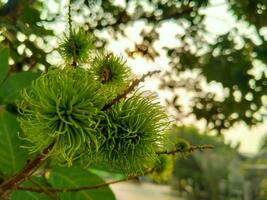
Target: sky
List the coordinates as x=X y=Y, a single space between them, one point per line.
x=218 y=21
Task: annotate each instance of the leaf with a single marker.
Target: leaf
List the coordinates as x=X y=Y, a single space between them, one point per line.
x=26 y=195
x=4 y=55
x=30 y=15
x=10 y=89
x=106 y=174
x=74 y=177
x=12 y=157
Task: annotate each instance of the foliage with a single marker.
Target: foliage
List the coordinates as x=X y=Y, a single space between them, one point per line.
x=13 y=157
x=253 y=12
x=4 y=65
x=74 y=177
x=203 y=172
x=22 y=26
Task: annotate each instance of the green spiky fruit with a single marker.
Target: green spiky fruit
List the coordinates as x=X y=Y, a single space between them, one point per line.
x=163 y=169
x=133 y=134
x=76 y=47
x=111 y=71
x=64 y=107
x=182 y=145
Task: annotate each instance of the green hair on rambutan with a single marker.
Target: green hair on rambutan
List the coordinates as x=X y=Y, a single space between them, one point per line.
x=63 y=107
x=76 y=48
x=111 y=71
x=163 y=169
x=133 y=133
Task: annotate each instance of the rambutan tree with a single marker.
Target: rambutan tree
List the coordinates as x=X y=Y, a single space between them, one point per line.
x=60 y=127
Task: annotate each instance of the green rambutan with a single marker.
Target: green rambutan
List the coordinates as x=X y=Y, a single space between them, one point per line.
x=133 y=134
x=111 y=71
x=163 y=169
x=182 y=145
x=63 y=107
x=76 y=48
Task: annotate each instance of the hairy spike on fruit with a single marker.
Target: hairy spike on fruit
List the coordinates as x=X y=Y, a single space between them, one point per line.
x=63 y=106
x=111 y=71
x=133 y=134
x=76 y=47
x=163 y=169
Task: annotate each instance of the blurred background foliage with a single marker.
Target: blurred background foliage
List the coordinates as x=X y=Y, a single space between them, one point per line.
x=203 y=175
x=220 y=174
x=229 y=60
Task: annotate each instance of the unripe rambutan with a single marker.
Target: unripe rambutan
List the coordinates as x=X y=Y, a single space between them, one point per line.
x=133 y=134
x=63 y=106
x=163 y=169
x=111 y=71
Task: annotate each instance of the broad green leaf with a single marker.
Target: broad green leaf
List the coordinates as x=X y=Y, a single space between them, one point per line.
x=4 y=55
x=10 y=89
x=26 y=195
x=106 y=174
x=12 y=157
x=74 y=177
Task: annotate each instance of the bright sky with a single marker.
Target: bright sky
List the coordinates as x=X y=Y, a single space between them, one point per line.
x=219 y=21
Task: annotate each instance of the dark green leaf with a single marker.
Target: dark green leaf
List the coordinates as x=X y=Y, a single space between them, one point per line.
x=4 y=55
x=9 y=91
x=74 y=177
x=25 y=195
x=12 y=157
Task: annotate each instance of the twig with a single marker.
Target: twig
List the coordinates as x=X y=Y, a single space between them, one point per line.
x=134 y=84
x=93 y=187
x=13 y=181
x=73 y=45
x=191 y=149
x=70 y=18
x=47 y=192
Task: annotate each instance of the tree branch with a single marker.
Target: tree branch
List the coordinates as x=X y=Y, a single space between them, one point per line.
x=134 y=84
x=13 y=181
x=47 y=192
x=93 y=187
x=191 y=149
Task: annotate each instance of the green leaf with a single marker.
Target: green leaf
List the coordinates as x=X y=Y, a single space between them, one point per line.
x=74 y=177
x=26 y=195
x=106 y=174
x=10 y=89
x=12 y=157
x=4 y=55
